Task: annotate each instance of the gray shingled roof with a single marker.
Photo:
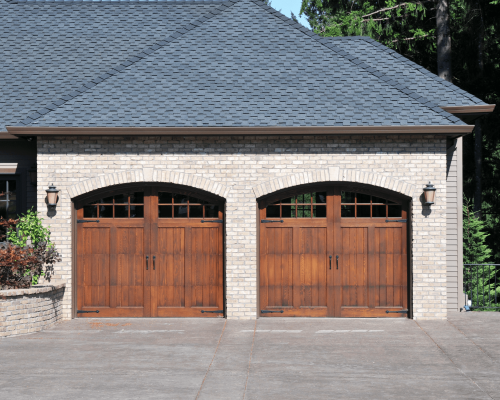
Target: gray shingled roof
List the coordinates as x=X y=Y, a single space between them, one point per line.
x=196 y=63
x=405 y=72
x=51 y=49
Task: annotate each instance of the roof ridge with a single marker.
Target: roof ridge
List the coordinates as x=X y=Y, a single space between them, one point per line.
x=180 y=31
x=325 y=41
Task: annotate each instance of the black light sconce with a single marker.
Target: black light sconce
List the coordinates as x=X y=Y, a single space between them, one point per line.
x=429 y=194
x=32 y=172
x=52 y=196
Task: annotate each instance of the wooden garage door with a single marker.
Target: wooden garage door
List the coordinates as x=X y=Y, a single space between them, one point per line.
x=333 y=252
x=150 y=253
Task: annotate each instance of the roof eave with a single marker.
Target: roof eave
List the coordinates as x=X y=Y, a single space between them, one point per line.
x=444 y=130
x=469 y=114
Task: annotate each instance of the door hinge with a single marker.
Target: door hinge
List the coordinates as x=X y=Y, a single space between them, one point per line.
x=218 y=221
x=269 y=311
x=87 y=312
x=214 y=312
x=81 y=221
x=397 y=220
x=269 y=221
x=397 y=312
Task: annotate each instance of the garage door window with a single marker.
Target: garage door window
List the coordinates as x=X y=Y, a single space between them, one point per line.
x=306 y=205
x=175 y=205
x=124 y=205
x=359 y=205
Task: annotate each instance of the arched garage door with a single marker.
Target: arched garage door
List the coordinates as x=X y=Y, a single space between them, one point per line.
x=150 y=252
x=333 y=252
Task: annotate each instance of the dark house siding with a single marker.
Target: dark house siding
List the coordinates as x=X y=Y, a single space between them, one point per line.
x=23 y=153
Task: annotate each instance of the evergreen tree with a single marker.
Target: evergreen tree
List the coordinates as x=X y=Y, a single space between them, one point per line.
x=476 y=251
x=482 y=285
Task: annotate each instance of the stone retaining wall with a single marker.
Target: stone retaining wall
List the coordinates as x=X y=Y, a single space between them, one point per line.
x=30 y=310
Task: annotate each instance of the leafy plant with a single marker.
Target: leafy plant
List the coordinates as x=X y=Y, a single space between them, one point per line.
x=5 y=225
x=29 y=227
x=20 y=267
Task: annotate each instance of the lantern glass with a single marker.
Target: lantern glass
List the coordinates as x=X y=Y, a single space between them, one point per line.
x=429 y=196
x=52 y=195
x=52 y=198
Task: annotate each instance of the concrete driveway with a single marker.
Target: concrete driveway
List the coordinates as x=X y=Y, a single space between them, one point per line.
x=268 y=359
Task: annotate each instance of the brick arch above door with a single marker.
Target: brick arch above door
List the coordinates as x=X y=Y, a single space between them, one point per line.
x=148 y=175
x=336 y=174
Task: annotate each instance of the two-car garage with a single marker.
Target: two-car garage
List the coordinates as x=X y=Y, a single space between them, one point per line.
x=324 y=251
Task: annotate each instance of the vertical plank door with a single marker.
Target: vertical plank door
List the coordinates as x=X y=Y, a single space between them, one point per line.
x=187 y=276
x=111 y=261
x=293 y=267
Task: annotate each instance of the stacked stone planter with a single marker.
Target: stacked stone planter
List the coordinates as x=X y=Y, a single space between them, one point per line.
x=30 y=310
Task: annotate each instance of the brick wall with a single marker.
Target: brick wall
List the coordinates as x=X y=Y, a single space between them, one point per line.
x=30 y=310
x=241 y=169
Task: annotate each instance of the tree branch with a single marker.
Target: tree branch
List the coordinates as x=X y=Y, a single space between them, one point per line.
x=413 y=38
x=399 y=5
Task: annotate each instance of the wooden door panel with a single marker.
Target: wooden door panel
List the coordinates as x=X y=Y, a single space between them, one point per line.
x=189 y=271
x=390 y=267
x=170 y=267
x=276 y=269
x=110 y=271
x=313 y=267
x=293 y=266
x=130 y=267
x=205 y=267
x=353 y=263
x=94 y=273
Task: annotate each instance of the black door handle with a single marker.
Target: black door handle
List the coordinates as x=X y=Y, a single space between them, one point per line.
x=330 y=262
x=154 y=263
x=337 y=262
x=147 y=263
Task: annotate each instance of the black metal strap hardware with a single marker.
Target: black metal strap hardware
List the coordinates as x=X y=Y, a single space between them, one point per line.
x=269 y=312
x=147 y=263
x=397 y=220
x=214 y=312
x=330 y=262
x=154 y=262
x=87 y=312
x=397 y=312
x=337 y=262
x=218 y=221
x=82 y=221
x=268 y=221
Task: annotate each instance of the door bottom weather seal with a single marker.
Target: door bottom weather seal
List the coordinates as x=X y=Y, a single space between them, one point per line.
x=397 y=312
x=214 y=312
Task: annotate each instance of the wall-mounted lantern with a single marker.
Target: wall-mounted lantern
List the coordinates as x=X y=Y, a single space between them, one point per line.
x=32 y=172
x=429 y=194
x=52 y=196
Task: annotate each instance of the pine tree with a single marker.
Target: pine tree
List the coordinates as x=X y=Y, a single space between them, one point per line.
x=481 y=281
x=476 y=251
